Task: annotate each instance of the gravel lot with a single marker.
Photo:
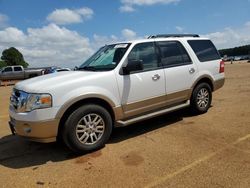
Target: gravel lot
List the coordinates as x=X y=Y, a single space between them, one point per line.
x=174 y=150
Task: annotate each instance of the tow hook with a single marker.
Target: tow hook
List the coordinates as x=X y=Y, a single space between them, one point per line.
x=13 y=131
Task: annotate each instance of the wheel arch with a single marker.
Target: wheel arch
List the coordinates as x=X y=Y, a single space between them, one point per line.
x=204 y=79
x=68 y=108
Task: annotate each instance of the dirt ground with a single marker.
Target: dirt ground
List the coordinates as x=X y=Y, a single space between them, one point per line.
x=174 y=150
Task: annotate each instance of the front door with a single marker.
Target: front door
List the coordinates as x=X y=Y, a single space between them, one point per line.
x=144 y=90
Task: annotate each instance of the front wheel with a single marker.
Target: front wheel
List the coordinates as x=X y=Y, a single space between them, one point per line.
x=87 y=128
x=201 y=98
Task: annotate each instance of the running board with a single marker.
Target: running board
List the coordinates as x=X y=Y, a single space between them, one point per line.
x=122 y=123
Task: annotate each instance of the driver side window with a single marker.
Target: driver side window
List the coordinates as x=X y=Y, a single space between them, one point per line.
x=7 y=69
x=144 y=52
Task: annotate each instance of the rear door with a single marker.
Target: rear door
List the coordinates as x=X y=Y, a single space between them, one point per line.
x=179 y=71
x=18 y=73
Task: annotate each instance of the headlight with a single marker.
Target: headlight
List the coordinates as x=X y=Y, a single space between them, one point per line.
x=26 y=102
x=36 y=101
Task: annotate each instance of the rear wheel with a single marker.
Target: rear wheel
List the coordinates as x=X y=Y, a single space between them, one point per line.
x=201 y=98
x=87 y=128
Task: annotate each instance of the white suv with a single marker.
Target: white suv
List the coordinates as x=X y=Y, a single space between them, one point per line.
x=119 y=85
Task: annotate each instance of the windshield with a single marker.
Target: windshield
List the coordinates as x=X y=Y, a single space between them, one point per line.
x=106 y=58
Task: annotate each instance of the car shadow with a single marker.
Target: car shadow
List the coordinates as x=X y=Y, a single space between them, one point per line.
x=123 y=133
x=16 y=152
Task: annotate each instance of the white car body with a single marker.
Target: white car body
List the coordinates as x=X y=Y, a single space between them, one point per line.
x=129 y=96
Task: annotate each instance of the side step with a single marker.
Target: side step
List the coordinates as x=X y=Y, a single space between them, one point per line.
x=121 y=123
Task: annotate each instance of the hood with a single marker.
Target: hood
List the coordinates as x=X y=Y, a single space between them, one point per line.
x=50 y=82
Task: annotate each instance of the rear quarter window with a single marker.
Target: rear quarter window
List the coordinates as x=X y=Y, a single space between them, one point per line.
x=17 y=69
x=204 y=50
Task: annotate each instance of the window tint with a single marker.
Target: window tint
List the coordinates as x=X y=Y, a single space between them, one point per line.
x=17 y=69
x=8 y=69
x=173 y=53
x=144 y=52
x=204 y=49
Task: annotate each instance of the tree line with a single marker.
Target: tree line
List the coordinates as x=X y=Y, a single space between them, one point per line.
x=237 y=51
x=11 y=57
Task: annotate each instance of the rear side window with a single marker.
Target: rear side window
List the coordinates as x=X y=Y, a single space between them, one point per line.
x=173 y=54
x=17 y=69
x=204 y=50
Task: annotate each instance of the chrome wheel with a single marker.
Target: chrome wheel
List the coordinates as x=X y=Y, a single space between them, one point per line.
x=90 y=129
x=203 y=98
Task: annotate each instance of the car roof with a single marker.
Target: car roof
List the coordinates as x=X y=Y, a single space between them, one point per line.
x=162 y=39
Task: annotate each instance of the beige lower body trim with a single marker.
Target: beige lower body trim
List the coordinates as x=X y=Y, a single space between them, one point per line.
x=118 y=113
x=44 y=131
x=137 y=108
x=177 y=97
x=219 y=83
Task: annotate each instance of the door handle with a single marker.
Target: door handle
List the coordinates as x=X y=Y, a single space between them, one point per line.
x=156 y=77
x=191 y=70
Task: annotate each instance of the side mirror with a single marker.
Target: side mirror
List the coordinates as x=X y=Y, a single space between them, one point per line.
x=133 y=65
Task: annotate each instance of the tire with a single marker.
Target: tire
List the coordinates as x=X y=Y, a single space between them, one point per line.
x=201 y=98
x=88 y=128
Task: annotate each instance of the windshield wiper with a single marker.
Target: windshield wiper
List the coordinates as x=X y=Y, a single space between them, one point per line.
x=90 y=68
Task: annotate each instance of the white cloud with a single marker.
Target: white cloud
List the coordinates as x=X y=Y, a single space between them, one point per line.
x=3 y=20
x=231 y=37
x=103 y=40
x=68 y=16
x=179 y=29
x=49 y=45
x=128 y=34
x=126 y=8
x=11 y=35
x=127 y=5
x=55 y=45
x=85 y=12
x=247 y=23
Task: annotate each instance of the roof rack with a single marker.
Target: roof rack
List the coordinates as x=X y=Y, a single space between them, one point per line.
x=172 y=35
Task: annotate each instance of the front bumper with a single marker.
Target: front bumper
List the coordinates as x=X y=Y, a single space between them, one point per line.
x=40 y=131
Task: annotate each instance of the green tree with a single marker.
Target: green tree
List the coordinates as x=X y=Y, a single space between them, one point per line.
x=12 y=57
x=2 y=64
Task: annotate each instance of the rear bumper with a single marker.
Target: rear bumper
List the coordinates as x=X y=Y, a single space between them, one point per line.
x=219 y=83
x=43 y=131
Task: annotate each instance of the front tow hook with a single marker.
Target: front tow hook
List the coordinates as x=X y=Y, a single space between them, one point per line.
x=13 y=131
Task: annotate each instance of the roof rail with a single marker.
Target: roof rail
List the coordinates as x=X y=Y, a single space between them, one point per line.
x=172 y=35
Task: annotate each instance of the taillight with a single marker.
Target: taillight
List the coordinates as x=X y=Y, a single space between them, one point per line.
x=222 y=66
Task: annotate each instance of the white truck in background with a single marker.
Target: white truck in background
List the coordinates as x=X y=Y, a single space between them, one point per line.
x=19 y=73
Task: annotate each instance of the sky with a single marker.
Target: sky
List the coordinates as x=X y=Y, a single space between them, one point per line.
x=66 y=32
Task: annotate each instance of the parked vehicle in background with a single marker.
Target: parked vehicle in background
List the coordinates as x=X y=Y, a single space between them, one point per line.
x=229 y=58
x=119 y=85
x=53 y=69
x=19 y=73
